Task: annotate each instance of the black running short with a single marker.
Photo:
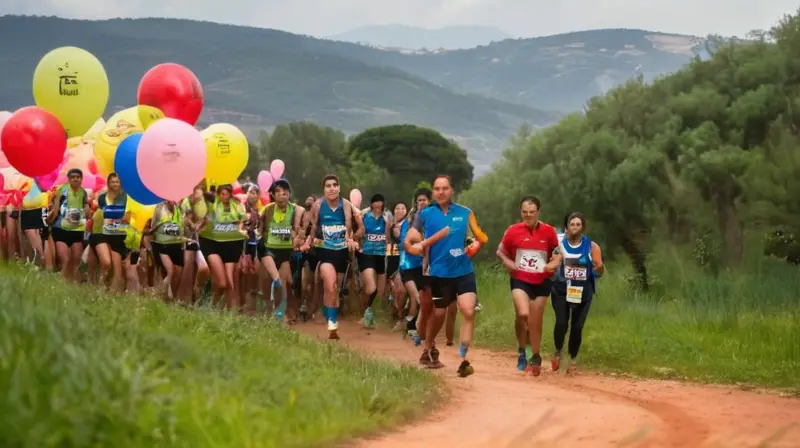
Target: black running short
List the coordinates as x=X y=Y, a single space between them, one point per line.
x=228 y=251
x=446 y=290
x=279 y=256
x=173 y=251
x=338 y=258
x=115 y=242
x=533 y=291
x=415 y=275
x=68 y=237
x=392 y=264
x=311 y=259
x=32 y=219
x=255 y=251
x=376 y=262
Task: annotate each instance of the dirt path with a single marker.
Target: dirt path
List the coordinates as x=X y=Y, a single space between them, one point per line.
x=498 y=407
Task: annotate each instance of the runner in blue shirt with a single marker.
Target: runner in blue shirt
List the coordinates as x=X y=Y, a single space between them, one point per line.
x=445 y=224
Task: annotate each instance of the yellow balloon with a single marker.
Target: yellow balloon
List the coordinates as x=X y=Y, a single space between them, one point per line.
x=228 y=153
x=149 y=115
x=140 y=213
x=72 y=84
x=120 y=125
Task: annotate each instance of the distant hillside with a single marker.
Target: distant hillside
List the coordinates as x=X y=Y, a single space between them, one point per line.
x=411 y=37
x=559 y=72
x=257 y=78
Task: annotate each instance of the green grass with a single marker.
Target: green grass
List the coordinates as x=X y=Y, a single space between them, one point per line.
x=738 y=328
x=81 y=369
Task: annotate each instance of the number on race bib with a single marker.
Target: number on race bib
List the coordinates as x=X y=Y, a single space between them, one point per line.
x=531 y=261
x=575 y=273
x=172 y=230
x=574 y=294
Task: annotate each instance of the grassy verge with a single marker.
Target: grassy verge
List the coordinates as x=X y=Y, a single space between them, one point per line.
x=82 y=369
x=735 y=328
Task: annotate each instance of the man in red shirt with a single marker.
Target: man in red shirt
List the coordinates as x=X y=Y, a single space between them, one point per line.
x=526 y=252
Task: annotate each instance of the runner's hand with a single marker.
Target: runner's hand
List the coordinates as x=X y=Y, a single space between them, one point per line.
x=510 y=266
x=551 y=267
x=352 y=245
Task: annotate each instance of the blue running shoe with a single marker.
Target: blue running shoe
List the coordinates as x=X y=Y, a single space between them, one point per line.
x=522 y=362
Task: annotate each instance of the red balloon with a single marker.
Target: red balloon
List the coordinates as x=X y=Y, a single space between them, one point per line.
x=92 y=166
x=34 y=141
x=173 y=89
x=2 y=182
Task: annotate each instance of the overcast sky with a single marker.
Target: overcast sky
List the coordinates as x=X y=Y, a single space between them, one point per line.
x=519 y=17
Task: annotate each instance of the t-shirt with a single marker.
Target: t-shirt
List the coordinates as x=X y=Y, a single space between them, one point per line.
x=448 y=258
x=530 y=249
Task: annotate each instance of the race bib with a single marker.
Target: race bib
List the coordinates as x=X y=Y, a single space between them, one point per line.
x=376 y=238
x=111 y=225
x=226 y=228
x=171 y=229
x=73 y=215
x=575 y=273
x=574 y=294
x=281 y=233
x=532 y=261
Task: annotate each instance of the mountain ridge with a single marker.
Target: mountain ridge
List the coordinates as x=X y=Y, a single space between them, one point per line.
x=409 y=37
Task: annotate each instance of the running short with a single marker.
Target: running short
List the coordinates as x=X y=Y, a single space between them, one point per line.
x=228 y=251
x=446 y=290
x=116 y=243
x=279 y=256
x=94 y=240
x=192 y=247
x=533 y=291
x=311 y=259
x=255 y=251
x=68 y=237
x=173 y=251
x=338 y=258
x=415 y=275
x=376 y=262
x=32 y=219
x=134 y=258
x=392 y=264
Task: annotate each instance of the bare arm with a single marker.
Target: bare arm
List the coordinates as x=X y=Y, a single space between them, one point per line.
x=597 y=259
x=314 y=222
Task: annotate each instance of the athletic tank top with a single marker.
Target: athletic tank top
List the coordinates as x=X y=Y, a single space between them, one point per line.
x=279 y=228
x=407 y=261
x=71 y=213
x=576 y=270
x=223 y=225
x=332 y=225
x=374 y=235
x=113 y=213
x=170 y=226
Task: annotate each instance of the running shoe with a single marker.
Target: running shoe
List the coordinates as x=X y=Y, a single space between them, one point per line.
x=369 y=318
x=535 y=365
x=333 y=330
x=555 y=363
x=417 y=340
x=398 y=326
x=478 y=307
x=425 y=359
x=465 y=369
x=573 y=366
x=522 y=362
x=434 y=355
x=449 y=343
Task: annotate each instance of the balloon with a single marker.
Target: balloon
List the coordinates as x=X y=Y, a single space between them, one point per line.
x=125 y=167
x=264 y=180
x=173 y=89
x=61 y=180
x=71 y=84
x=171 y=159
x=237 y=187
x=4 y=116
x=228 y=153
x=149 y=115
x=99 y=183
x=88 y=182
x=47 y=181
x=241 y=197
x=93 y=167
x=119 y=126
x=140 y=214
x=355 y=197
x=276 y=168
x=34 y=141
x=265 y=199
x=2 y=181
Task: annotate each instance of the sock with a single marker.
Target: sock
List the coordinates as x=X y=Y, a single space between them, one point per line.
x=522 y=351
x=529 y=351
x=334 y=312
x=326 y=312
x=463 y=350
x=372 y=298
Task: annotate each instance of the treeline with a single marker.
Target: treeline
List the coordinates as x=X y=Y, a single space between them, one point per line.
x=391 y=160
x=698 y=157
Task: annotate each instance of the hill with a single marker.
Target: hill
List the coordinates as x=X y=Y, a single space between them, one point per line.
x=559 y=72
x=412 y=37
x=257 y=78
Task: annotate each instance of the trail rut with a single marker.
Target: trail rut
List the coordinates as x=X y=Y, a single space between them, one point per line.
x=499 y=407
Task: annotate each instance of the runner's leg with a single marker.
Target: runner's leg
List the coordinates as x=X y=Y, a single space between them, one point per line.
x=579 y=314
x=522 y=308
x=562 y=311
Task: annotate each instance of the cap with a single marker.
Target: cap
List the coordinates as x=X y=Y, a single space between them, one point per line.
x=282 y=182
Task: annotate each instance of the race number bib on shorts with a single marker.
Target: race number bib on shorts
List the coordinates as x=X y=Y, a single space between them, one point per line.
x=574 y=294
x=575 y=273
x=532 y=261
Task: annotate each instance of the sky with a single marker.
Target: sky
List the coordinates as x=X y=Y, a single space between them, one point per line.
x=522 y=18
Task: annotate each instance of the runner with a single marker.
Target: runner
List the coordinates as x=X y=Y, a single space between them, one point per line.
x=524 y=251
x=195 y=268
x=332 y=215
x=222 y=241
x=573 y=291
x=411 y=274
x=452 y=274
x=310 y=292
x=110 y=248
x=254 y=249
x=167 y=229
x=33 y=222
x=405 y=308
x=69 y=211
x=280 y=222
x=372 y=256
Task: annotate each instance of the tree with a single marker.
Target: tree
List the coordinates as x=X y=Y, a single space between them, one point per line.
x=410 y=154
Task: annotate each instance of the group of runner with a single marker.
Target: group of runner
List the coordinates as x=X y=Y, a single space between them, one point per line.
x=421 y=254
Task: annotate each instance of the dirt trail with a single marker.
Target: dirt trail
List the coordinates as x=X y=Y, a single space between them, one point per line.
x=498 y=407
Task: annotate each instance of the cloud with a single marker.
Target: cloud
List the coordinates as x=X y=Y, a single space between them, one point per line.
x=519 y=17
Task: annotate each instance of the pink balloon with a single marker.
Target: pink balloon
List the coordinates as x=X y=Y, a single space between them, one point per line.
x=276 y=168
x=241 y=197
x=355 y=197
x=88 y=182
x=171 y=158
x=47 y=181
x=2 y=182
x=99 y=182
x=264 y=180
x=237 y=187
x=61 y=179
